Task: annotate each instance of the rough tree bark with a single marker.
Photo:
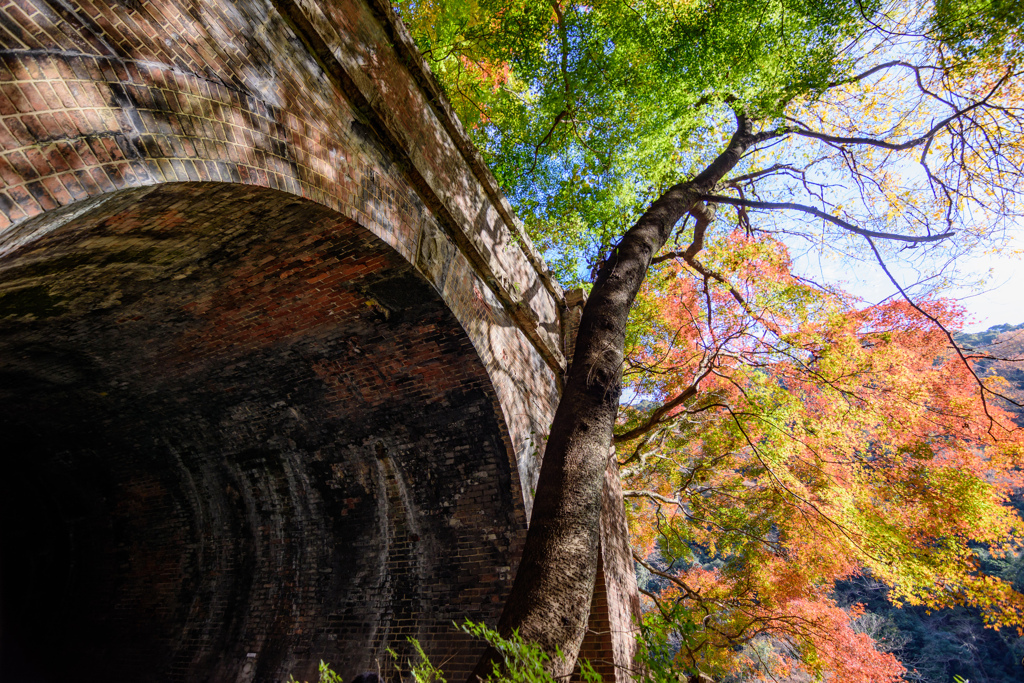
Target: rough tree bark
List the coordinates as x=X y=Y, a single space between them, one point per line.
x=550 y=599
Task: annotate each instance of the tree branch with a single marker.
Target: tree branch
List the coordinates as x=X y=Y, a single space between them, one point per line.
x=956 y=347
x=656 y=417
x=873 y=70
x=827 y=217
x=898 y=146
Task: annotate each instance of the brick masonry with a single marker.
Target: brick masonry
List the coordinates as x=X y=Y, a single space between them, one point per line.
x=269 y=438
x=276 y=358
x=610 y=643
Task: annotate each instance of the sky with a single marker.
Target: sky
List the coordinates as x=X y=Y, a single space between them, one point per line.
x=999 y=300
x=1002 y=300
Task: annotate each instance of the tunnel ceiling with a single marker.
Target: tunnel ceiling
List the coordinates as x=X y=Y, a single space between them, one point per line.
x=241 y=435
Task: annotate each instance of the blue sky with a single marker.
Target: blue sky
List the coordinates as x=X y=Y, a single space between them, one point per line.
x=999 y=299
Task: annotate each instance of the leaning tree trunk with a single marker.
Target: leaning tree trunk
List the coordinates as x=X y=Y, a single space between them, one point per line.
x=550 y=599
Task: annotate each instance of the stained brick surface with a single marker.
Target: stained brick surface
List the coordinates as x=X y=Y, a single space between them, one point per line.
x=99 y=96
x=276 y=363
x=265 y=437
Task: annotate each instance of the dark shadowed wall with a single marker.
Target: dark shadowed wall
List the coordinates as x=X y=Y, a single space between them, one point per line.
x=241 y=435
x=276 y=360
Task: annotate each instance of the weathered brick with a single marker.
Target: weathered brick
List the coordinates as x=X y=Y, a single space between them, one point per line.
x=211 y=513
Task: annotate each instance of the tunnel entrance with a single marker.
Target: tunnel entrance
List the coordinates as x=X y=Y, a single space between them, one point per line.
x=241 y=434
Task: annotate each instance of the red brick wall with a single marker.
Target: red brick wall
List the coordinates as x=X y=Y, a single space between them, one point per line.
x=142 y=143
x=101 y=96
x=240 y=431
x=611 y=641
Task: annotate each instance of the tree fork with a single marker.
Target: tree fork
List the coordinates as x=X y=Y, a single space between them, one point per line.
x=549 y=603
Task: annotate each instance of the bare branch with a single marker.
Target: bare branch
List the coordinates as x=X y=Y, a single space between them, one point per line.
x=653 y=496
x=657 y=417
x=668 y=577
x=827 y=217
x=875 y=69
x=805 y=131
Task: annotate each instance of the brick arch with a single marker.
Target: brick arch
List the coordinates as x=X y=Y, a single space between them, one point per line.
x=242 y=435
x=324 y=100
x=101 y=97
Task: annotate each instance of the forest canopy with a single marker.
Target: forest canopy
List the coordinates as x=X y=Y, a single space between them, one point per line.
x=685 y=160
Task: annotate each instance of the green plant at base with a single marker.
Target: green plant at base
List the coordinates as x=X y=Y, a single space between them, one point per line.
x=422 y=670
x=524 y=662
x=657 y=658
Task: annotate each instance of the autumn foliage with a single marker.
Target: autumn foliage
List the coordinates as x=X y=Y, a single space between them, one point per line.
x=825 y=440
x=783 y=435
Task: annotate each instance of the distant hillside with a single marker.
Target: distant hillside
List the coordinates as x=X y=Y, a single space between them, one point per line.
x=977 y=340
x=1006 y=344
x=936 y=645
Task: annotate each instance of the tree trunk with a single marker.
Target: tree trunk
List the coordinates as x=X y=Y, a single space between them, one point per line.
x=550 y=599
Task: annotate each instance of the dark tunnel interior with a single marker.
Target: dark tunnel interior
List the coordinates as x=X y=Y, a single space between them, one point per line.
x=240 y=435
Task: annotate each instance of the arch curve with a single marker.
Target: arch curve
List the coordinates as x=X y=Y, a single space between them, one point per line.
x=95 y=103
x=193 y=193
x=243 y=435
